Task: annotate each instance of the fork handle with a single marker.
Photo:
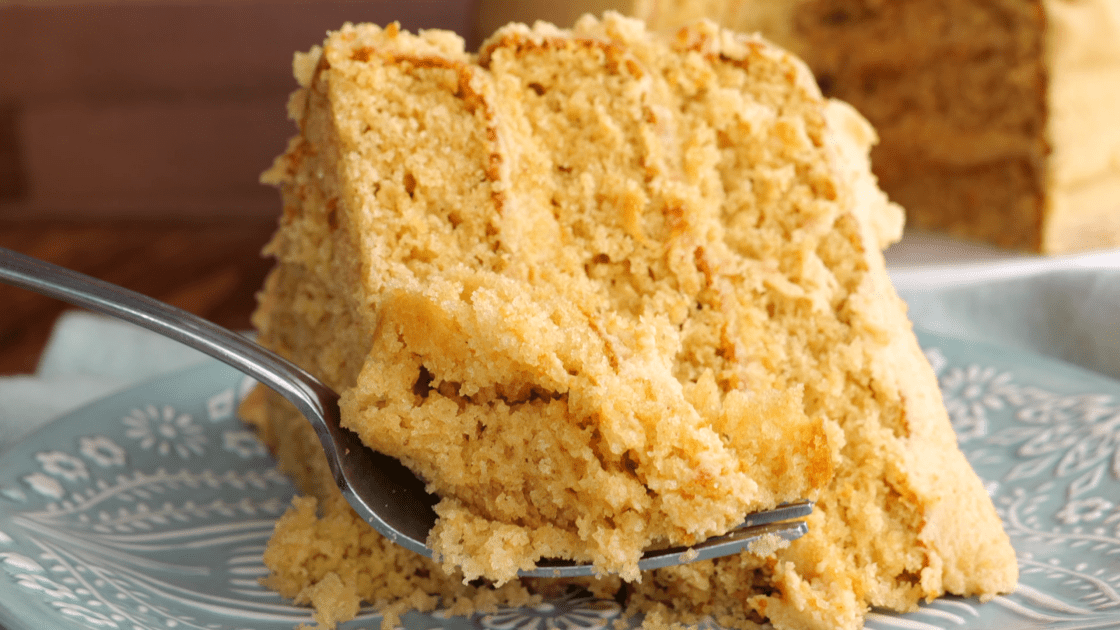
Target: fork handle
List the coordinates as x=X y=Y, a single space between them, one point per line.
x=288 y=379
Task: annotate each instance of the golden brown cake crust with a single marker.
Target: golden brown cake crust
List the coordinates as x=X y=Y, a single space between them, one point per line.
x=604 y=289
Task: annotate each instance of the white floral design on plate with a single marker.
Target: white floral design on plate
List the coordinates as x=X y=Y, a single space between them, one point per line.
x=117 y=540
x=244 y=443
x=165 y=430
x=574 y=610
x=44 y=484
x=970 y=393
x=63 y=465
x=102 y=451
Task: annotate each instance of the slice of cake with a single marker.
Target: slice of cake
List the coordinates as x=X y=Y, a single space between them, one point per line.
x=996 y=118
x=605 y=290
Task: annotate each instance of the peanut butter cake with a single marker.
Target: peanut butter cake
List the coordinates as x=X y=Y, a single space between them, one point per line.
x=605 y=290
x=997 y=117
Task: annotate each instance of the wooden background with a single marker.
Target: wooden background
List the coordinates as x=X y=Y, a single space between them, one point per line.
x=132 y=135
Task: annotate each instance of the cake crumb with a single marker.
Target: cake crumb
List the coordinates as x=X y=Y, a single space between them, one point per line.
x=767 y=545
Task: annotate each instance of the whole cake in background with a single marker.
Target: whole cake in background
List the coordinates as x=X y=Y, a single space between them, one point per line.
x=604 y=288
x=997 y=118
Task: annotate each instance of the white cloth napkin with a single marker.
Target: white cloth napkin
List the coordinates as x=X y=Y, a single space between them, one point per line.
x=1067 y=307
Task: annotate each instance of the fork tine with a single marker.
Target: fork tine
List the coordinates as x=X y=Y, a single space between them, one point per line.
x=784 y=512
x=769 y=522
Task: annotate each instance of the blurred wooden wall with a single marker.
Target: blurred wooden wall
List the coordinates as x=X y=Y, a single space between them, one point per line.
x=132 y=135
x=161 y=108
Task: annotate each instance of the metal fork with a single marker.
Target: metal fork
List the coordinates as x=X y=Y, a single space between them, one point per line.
x=379 y=488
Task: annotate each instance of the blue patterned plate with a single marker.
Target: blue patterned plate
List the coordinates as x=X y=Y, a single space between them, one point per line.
x=150 y=509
